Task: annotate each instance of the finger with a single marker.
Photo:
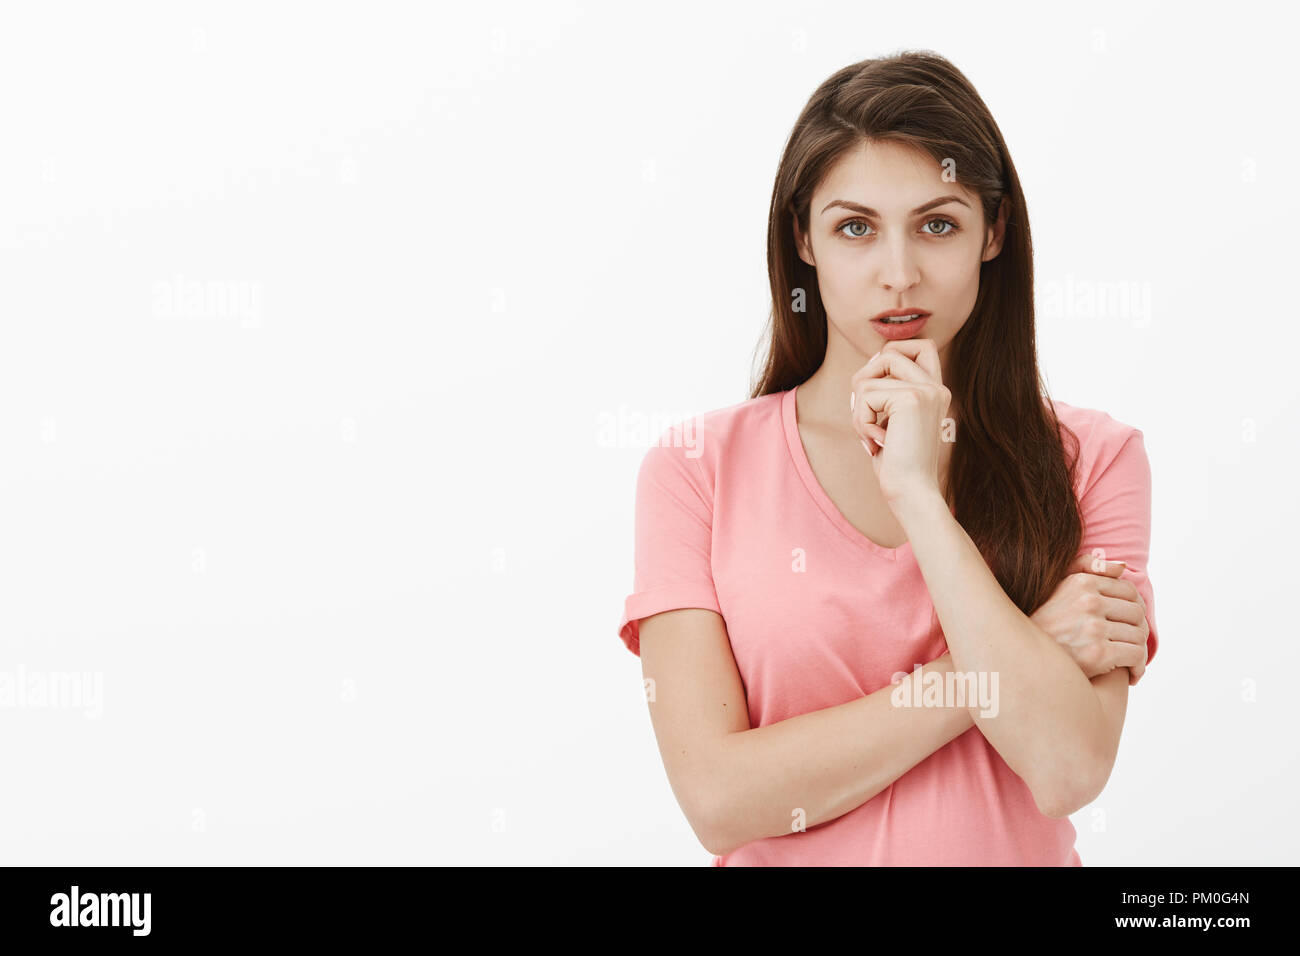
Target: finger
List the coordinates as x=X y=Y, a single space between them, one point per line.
x=923 y=352
x=1128 y=655
x=862 y=409
x=1127 y=613
x=862 y=386
x=1097 y=564
x=892 y=363
x=876 y=401
x=1116 y=588
x=874 y=433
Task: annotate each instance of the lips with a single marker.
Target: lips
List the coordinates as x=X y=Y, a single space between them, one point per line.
x=900 y=330
x=896 y=313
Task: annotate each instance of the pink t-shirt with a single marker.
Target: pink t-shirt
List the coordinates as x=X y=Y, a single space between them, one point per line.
x=730 y=517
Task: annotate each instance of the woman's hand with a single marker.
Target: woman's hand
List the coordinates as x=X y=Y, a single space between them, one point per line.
x=898 y=405
x=1099 y=619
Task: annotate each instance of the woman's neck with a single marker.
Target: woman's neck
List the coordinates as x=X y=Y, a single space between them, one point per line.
x=822 y=402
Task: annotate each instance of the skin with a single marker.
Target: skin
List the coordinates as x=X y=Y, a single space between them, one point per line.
x=1058 y=731
x=737 y=784
x=898 y=262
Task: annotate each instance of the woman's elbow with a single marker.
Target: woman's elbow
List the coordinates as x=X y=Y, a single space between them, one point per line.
x=1068 y=796
x=1056 y=807
x=709 y=819
x=712 y=816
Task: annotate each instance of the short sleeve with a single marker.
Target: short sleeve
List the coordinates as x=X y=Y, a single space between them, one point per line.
x=1116 y=510
x=674 y=529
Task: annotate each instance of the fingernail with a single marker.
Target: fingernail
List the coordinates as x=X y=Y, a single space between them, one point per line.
x=872 y=357
x=853 y=397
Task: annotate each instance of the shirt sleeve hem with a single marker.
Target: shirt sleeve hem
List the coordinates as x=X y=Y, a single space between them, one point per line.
x=670 y=597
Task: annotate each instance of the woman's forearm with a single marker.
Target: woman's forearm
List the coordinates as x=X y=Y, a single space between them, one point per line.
x=817 y=766
x=1049 y=725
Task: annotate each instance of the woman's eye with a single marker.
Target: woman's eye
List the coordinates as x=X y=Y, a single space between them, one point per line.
x=857 y=229
x=941 y=222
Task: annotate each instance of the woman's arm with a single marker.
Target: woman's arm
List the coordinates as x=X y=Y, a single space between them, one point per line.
x=1050 y=726
x=1112 y=692
x=736 y=784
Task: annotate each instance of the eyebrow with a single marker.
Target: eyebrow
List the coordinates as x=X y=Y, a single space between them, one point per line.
x=868 y=211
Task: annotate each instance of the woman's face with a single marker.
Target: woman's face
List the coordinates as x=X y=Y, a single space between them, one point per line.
x=886 y=231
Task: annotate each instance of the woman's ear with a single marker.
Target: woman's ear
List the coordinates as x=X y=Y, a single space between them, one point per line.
x=998 y=231
x=801 y=245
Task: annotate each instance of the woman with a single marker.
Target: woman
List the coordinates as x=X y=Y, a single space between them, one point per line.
x=789 y=583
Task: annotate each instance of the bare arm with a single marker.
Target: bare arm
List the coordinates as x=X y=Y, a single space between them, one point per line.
x=1112 y=692
x=1050 y=721
x=736 y=784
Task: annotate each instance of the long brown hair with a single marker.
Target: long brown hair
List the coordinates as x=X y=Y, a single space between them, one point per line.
x=1010 y=480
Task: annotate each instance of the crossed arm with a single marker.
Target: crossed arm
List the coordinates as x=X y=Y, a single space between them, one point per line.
x=1058 y=730
x=736 y=784
x=1054 y=727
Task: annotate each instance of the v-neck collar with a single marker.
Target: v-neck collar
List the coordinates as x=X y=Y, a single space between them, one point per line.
x=799 y=456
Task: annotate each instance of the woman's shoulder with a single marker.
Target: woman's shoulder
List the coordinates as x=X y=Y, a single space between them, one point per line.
x=1091 y=420
x=1101 y=436
x=718 y=428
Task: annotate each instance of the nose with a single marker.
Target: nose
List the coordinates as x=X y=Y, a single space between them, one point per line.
x=899 y=271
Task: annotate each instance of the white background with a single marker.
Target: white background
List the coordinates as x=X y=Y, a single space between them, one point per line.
x=311 y=317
